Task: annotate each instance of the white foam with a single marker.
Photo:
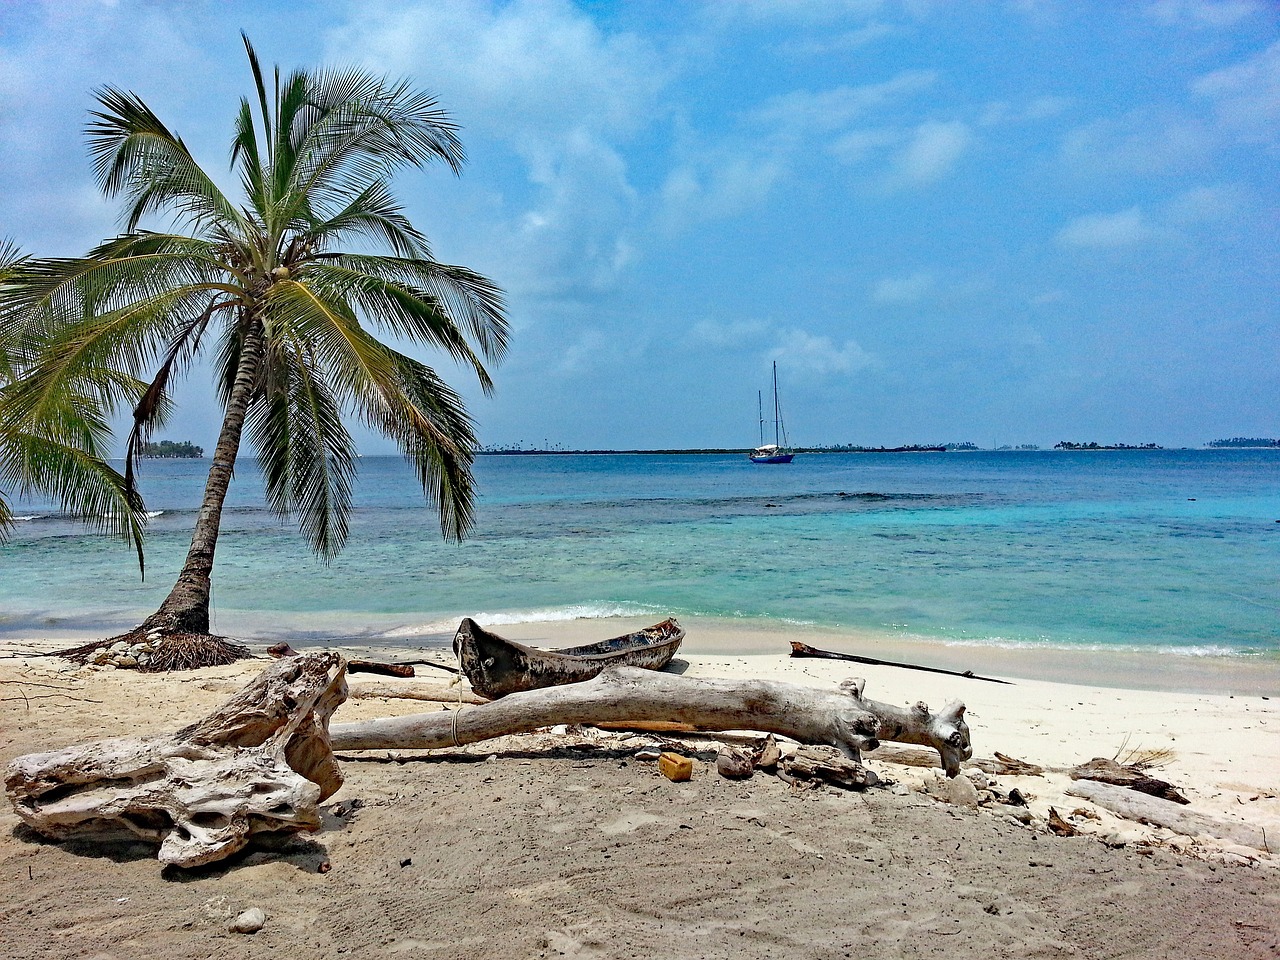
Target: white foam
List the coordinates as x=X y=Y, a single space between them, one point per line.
x=1045 y=643
x=152 y=514
x=583 y=611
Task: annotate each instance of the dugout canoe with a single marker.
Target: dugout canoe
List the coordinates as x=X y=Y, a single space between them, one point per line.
x=497 y=666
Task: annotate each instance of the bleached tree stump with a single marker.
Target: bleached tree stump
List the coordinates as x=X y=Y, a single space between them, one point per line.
x=259 y=763
x=842 y=718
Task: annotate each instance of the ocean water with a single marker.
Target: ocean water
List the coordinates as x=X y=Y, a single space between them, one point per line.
x=1169 y=551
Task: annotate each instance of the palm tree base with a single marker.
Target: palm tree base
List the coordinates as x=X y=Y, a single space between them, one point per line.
x=151 y=650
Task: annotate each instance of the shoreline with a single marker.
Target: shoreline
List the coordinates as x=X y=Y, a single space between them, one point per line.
x=1111 y=669
x=1159 y=669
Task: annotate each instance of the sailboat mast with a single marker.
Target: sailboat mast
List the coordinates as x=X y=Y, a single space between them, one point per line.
x=777 y=417
x=760 y=414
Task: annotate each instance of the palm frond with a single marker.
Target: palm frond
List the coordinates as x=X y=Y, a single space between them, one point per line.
x=307 y=456
x=135 y=155
x=359 y=129
x=373 y=213
x=60 y=456
x=429 y=423
x=153 y=407
x=396 y=395
x=466 y=299
x=405 y=311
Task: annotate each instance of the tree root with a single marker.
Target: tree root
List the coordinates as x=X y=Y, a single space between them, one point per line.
x=158 y=651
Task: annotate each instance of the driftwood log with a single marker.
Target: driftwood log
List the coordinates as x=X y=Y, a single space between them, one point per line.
x=359 y=689
x=842 y=718
x=261 y=762
x=1145 y=808
x=382 y=667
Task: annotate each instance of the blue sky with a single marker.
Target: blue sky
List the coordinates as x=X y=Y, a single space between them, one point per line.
x=1002 y=222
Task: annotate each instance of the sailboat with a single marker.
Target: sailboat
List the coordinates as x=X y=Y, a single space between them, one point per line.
x=777 y=451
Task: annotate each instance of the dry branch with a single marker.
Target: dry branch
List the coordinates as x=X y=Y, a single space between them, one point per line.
x=802 y=650
x=1133 y=778
x=402 y=670
x=840 y=718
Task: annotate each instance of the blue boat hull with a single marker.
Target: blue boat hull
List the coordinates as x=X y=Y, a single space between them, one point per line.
x=776 y=458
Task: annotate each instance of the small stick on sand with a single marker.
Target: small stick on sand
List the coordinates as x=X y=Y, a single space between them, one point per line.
x=799 y=649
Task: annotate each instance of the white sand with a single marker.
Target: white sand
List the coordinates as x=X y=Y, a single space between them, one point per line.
x=556 y=849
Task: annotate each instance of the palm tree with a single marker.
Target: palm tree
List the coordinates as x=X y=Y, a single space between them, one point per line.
x=60 y=455
x=272 y=290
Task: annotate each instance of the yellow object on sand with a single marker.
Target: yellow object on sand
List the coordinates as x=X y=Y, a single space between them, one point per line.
x=675 y=767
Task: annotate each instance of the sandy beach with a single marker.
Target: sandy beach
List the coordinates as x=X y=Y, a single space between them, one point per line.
x=564 y=844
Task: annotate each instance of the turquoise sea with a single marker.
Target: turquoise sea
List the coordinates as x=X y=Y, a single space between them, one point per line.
x=1170 y=551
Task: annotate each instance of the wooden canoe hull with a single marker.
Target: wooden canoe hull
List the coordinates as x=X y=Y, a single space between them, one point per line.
x=497 y=666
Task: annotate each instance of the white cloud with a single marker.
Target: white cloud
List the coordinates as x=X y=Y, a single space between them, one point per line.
x=1122 y=229
x=1142 y=141
x=589 y=351
x=735 y=333
x=1002 y=112
x=737 y=172
x=802 y=12
x=899 y=290
x=814 y=355
x=544 y=79
x=806 y=112
x=721 y=184
x=921 y=155
x=1244 y=107
x=1172 y=219
x=856 y=39
x=858 y=145
x=1214 y=14
x=1211 y=204
x=818 y=356
x=1246 y=97
x=524 y=71
x=934 y=149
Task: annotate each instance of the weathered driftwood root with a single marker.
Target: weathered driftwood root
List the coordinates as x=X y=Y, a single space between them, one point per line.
x=840 y=718
x=261 y=762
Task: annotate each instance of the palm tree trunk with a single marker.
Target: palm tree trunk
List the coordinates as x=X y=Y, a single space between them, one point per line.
x=186 y=608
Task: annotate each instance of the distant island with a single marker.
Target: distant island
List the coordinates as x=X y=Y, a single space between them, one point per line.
x=1070 y=445
x=854 y=448
x=520 y=451
x=171 y=450
x=1265 y=442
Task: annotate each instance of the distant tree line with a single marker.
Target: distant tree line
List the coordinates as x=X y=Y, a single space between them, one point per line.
x=1070 y=445
x=171 y=449
x=1246 y=442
